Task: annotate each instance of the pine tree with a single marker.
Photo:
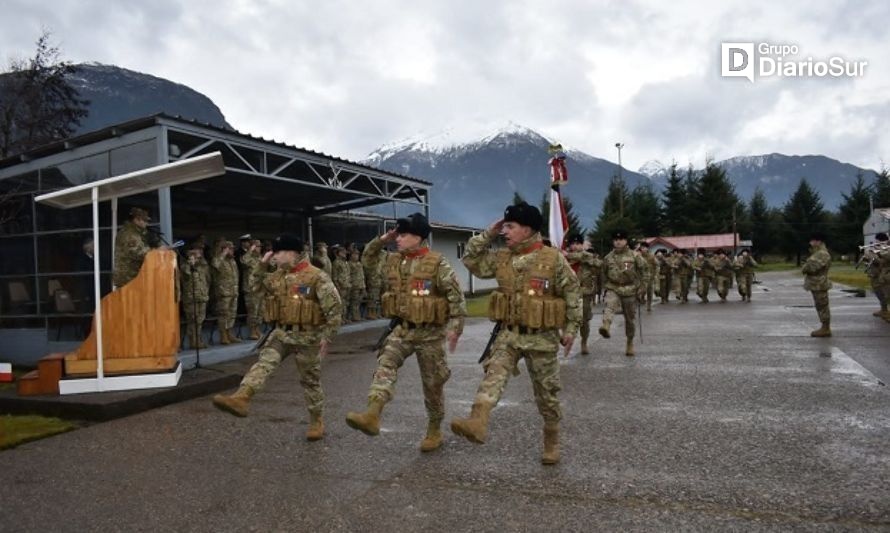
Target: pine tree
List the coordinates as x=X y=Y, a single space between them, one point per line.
x=610 y=219
x=881 y=188
x=674 y=201
x=802 y=214
x=644 y=208
x=764 y=231
x=571 y=215
x=714 y=201
x=517 y=198
x=852 y=214
x=37 y=103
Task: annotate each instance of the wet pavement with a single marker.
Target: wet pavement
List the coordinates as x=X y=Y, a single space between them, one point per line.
x=730 y=417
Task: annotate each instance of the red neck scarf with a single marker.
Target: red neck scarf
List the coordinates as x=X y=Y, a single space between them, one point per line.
x=420 y=252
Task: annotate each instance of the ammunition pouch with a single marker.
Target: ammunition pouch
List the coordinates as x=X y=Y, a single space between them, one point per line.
x=533 y=312
x=299 y=312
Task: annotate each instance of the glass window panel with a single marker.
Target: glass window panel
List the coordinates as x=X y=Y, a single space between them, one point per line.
x=134 y=157
x=17 y=296
x=15 y=214
x=16 y=255
x=64 y=252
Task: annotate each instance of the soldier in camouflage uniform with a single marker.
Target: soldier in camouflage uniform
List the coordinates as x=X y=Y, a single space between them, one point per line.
x=705 y=274
x=374 y=281
x=723 y=270
x=342 y=277
x=356 y=285
x=744 y=266
x=815 y=272
x=130 y=247
x=321 y=259
x=538 y=306
x=195 y=290
x=424 y=296
x=664 y=276
x=583 y=264
x=597 y=273
x=624 y=272
x=252 y=298
x=681 y=267
x=652 y=273
x=878 y=258
x=225 y=290
x=305 y=305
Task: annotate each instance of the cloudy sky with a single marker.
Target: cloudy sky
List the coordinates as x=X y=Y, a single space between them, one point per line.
x=344 y=77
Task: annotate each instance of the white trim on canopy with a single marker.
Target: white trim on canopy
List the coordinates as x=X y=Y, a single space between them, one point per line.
x=149 y=179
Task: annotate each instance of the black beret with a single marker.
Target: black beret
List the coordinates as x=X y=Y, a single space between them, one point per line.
x=576 y=238
x=619 y=234
x=817 y=236
x=720 y=251
x=881 y=237
x=415 y=224
x=525 y=215
x=287 y=241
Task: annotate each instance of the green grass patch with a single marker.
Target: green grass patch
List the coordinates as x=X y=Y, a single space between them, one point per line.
x=847 y=275
x=477 y=306
x=15 y=430
x=779 y=266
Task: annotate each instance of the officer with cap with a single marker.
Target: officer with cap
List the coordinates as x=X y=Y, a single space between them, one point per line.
x=130 y=246
x=342 y=276
x=423 y=295
x=305 y=306
x=625 y=273
x=815 y=272
x=538 y=307
x=586 y=268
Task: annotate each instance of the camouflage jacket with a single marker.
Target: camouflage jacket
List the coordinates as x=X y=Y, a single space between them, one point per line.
x=356 y=276
x=225 y=276
x=194 y=282
x=130 y=247
x=587 y=268
x=722 y=266
x=704 y=267
x=324 y=261
x=815 y=270
x=282 y=281
x=482 y=262
x=664 y=268
x=446 y=283
x=680 y=265
x=341 y=274
x=624 y=271
x=651 y=265
x=745 y=264
x=879 y=266
x=248 y=260
x=374 y=272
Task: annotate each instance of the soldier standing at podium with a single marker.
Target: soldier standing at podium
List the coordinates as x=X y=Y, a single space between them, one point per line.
x=130 y=247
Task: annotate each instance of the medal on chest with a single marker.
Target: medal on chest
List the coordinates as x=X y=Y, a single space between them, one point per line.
x=421 y=287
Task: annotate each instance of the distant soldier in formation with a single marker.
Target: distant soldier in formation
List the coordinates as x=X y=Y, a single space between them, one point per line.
x=356 y=285
x=537 y=303
x=879 y=273
x=597 y=273
x=744 y=267
x=664 y=276
x=195 y=290
x=342 y=276
x=424 y=296
x=225 y=290
x=305 y=305
x=723 y=270
x=705 y=274
x=815 y=272
x=681 y=268
x=584 y=264
x=374 y=283
x=321 y=259
x=130 y=246
x=652 y=273
x=252 y=298
x=625 y=273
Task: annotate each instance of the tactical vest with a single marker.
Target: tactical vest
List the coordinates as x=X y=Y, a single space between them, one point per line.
x=414 y=297
x=294 y=299
x=527 y=298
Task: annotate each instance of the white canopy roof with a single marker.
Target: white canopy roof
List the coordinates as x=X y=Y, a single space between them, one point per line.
x=150 y=179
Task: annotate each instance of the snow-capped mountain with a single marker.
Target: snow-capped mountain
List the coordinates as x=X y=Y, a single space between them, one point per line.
x=475 y=174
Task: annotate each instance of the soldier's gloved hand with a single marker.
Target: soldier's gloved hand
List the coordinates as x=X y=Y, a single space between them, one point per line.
x=323 y=348
x=452 y=337
x=567 y=341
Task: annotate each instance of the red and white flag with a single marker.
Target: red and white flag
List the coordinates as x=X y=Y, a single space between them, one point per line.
x=5 y=373
x=559 y=224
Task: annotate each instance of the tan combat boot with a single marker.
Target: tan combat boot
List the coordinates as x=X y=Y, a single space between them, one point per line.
x=224 y=336
x=316 y=427
x=584 y=349
x=433 y=439
x=551 y=443
x=474 y=428
x=604 y=330
x=824 y=331
x=236 y=404
x=369 y=421
x=234 y=339
x=629 y=349
x=254 y=333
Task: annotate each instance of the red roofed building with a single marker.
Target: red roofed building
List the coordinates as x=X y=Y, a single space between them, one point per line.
x=726 y=241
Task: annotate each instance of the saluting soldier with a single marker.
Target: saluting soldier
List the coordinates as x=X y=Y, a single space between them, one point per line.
x=681 y=268
x=624 y=272
x=195 y=290
x=583 y=264
x=225 y=290
x=815 y=272
x=652 y=274
x=252 y=299
x=723 y=276
x=374 y=281
x=744 y=266
x=130 y=246
x=305 y=306
x=537 y=303
x=342 y=276
x=424 y=295
x=321 y=259
x=705 y=274
x=664 y=276
x=597 y=273
x=356 y=285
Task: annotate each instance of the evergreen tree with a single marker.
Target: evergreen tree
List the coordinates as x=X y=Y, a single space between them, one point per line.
x=674 y=201
x=764 y=231
x=610 y=219
x=802 y=214
x=691 y=184
x=854 y=211
x=644 y=208
x=517 y=198
x=881 y=188
x=571 y=215
x=37 y=103
x=714 y=202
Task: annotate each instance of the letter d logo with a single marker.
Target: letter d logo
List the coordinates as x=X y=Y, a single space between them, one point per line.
x=737 y=60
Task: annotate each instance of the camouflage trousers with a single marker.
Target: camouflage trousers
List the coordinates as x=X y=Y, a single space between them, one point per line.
x=254 y=304
x=277 y=348
x=820 y=298
x=195 y=314
x=597 y=290
x=723 y=285
x=543 y=369
x=664 y=288
x=355 y=303
x=650 y=292
x=344 y=297
x=744 y=282
x=374 y=292
x=434 y=372
x=881 y=292
x=680 y=286
x=226 y=311
x=586 y=314
x=703 y=287
x=627 y=304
